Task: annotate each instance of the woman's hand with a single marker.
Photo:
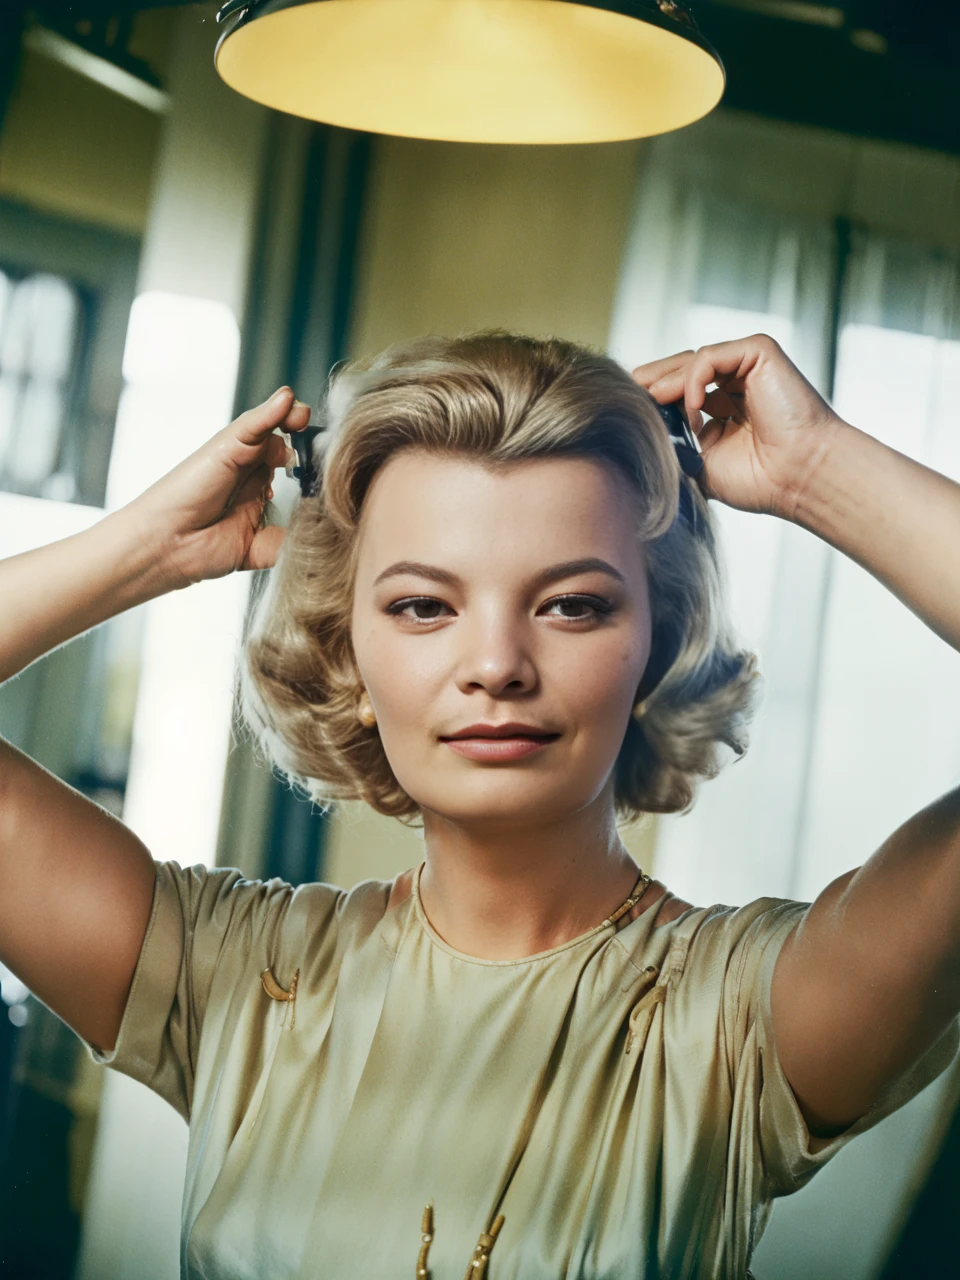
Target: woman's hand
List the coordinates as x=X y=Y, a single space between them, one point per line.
x=206 y=515
x=767 y=429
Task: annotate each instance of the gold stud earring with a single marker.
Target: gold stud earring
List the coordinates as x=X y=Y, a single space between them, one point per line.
x=365 y=712
x=640 y=710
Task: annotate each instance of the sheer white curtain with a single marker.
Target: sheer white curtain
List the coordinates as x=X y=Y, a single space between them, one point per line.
x=700 y=268
x=734 y=231
x=887 y=722
x=859 y=725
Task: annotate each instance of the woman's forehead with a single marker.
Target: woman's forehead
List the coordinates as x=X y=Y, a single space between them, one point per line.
x=451 y=508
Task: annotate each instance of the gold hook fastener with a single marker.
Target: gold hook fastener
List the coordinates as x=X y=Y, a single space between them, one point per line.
x=274 y=990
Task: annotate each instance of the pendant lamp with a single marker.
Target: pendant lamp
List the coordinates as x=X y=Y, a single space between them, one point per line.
x=518 y=71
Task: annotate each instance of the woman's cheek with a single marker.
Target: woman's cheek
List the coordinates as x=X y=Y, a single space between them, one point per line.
x=404 y=689
x=605 y=685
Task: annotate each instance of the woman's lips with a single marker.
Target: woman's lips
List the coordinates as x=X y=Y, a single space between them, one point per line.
x=497 y=749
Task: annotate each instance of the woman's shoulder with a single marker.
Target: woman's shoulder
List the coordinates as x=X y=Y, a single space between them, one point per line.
x=355 y=912
x=366 y=897
x=715 y=921
x=219 y=901
x=731 y=947
x=665 y=905
x=754 y=923
x=710 y=941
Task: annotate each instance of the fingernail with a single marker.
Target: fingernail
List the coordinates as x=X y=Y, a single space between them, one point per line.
x=300 y=404
x=280 y=395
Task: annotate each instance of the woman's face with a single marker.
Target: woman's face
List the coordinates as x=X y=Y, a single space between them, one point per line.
x=494 y=596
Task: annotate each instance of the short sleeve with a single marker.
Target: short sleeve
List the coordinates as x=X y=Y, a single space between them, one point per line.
x=788 y=1153
x=200 y=930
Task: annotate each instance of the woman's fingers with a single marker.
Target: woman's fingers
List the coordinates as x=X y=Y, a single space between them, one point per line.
x=269 y=453
x=729 y=364
x=253 y=487
x=710 y=364
x=253 y=478
x=253 y=426
x=688 y=375
x=265 y=547
x=668 y=387
x=711 y=432
x=298 y=417
x=656 y=370
x=249 y=493
x=283 y=409
x=277 y=452
x=759 y=422
x=721 y=404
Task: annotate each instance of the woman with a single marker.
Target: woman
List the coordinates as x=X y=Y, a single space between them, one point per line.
x=500 y=615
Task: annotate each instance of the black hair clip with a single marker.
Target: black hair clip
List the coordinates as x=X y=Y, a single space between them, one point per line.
x=306 y=470
x=684 y=441
x=688 y=453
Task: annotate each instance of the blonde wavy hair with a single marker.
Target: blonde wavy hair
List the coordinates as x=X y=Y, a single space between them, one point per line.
x=500 y=397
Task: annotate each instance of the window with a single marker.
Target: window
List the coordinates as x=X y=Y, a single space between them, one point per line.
x=41 y=336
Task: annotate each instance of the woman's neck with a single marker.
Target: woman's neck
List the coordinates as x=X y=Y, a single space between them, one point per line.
x=512 y=893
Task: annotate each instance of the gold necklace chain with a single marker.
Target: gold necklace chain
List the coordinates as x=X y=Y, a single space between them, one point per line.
x=477 y=1266
x=639 y=889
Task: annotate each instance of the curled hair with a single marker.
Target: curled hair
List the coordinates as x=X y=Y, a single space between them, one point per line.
x=502 y=398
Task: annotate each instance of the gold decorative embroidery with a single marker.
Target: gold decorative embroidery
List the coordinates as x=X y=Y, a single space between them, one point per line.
x=426 y=1236
x=477 y=1266
x=276 y=992
x=643 y=1011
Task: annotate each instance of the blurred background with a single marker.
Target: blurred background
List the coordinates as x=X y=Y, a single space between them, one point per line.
x=171 y=252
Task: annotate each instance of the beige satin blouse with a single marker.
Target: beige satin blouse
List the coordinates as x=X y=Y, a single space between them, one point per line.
x=618 y=1099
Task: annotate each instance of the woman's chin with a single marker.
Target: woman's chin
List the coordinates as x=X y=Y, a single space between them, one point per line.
x=502 y=805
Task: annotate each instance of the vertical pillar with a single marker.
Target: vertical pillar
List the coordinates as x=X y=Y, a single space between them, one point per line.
x=11 y=32
x=180 y=370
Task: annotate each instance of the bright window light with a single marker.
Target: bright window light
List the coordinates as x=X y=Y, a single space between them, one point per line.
x=180 y=367
x=39 y=332
x=26 y=523
x=180 y=370
x=888 y=721
x=707 y=324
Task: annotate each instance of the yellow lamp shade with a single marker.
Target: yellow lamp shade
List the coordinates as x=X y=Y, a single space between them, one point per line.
x=521 y=71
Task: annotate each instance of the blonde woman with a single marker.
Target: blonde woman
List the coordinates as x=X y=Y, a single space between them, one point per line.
x=499 y=615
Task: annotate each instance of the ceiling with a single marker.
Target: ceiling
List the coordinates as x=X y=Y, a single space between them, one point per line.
x=879 y=68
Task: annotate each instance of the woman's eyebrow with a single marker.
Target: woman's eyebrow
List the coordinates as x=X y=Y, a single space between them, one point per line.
x=553 y=574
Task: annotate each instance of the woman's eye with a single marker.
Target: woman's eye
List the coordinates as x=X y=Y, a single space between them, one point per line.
x=574 y=608
x=424 y=609
x=580 y=608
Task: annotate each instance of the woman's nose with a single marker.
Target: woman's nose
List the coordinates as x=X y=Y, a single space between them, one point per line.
x=495 y=656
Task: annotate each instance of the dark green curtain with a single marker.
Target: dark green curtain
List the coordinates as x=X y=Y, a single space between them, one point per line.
x=335 y=174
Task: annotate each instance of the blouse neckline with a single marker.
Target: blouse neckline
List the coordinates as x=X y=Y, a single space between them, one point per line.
x=538 y=956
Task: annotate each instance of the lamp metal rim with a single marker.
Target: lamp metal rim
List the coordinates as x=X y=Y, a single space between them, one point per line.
x=247 y=11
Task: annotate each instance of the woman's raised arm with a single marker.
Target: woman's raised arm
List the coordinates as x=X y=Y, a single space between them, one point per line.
x=75 y=884
x=870 y=978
